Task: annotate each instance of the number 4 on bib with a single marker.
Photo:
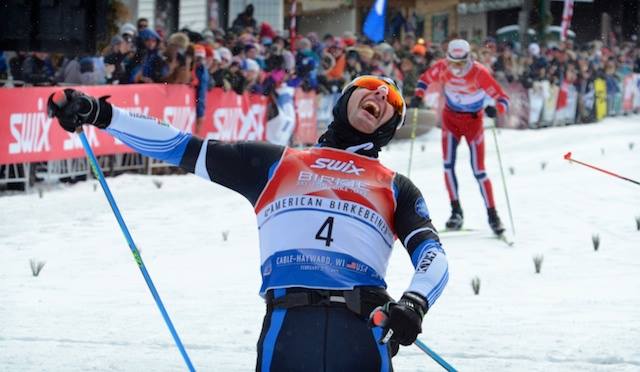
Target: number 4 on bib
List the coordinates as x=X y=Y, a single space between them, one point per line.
x=328 y=226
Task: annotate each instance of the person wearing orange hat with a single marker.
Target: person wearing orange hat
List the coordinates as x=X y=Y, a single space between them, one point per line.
x=419 y=49
x=465 y=85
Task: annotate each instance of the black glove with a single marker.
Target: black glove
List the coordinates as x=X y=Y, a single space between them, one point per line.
x=491 y=111
x=415 y=102
x=401 y=321
x=74 y=108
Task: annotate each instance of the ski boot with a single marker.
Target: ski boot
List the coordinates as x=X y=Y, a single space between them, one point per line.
x=456 y=220
x=494 y=221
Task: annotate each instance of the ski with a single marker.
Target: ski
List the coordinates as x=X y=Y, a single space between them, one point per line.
x=503 y=238
x=459 y=232
x=450 y=233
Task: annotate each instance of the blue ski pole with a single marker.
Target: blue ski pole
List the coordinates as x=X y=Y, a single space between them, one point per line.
x=434 y=356
x=379 y=319
x=93 y=162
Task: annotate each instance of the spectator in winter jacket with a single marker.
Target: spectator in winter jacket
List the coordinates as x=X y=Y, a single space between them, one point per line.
x=38 y=70
x=179 y=58
x=235 y=77
x=244 y=21
x=337 y=72
x=251 y=73
x=267 y=34
x=333 y=65
x=365 y=53
x=353 y=67
x=251 y=52
x=538 y=66
x=410 y=76
x=281 y=47
x=116 y=61
x=216 y=71
x=387 y=61
x=306 y=66
x=128 y=32
x=80 y=70
x=505 y=66
x=153 y=68
x=275 y=74
x=16 y=64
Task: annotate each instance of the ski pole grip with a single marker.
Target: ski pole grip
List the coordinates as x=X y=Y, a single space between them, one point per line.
x=379 y=318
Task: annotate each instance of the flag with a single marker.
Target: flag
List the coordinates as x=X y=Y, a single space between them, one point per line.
x=567 y=14
x=373 y=26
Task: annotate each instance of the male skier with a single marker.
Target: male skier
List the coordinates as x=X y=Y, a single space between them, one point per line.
x=327 y=217
x=465 y=84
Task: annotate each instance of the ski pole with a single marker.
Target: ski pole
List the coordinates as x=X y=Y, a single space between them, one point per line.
x=504 y=182
x=380 y=319
x=93 y=162
x=567 y=156
x=414 y=124
x=434 y=356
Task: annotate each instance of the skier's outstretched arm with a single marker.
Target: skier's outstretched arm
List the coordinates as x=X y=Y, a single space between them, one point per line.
x=418 y=235
x=242 y=167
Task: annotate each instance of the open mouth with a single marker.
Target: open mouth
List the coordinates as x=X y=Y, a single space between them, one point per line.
x=372 y=108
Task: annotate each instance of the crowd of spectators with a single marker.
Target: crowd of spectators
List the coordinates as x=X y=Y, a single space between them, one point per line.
x=252 y=56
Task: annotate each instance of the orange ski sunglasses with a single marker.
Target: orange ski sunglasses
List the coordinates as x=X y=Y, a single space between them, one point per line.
x=394 y=97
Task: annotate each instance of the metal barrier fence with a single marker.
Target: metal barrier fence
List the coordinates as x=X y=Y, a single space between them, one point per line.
x=23 y=176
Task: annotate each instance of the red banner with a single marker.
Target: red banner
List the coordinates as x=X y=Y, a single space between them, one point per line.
x=628 y=91
x=28 y=135
x=233 y=117
x=306 y=131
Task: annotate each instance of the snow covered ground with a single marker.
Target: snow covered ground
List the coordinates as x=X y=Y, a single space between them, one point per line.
x=90 y=308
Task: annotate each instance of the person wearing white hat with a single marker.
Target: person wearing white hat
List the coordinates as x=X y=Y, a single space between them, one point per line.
x=465 y=84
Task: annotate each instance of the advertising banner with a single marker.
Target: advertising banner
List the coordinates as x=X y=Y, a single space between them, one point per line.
x=27 y=134
x=233 y=117
x=306 y=131
x=628 y=93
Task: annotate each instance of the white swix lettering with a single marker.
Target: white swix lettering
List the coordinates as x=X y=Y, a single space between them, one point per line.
x=181 y=117
x=337 y=165
x=30 y=131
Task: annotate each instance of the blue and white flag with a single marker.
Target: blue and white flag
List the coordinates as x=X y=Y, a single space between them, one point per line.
x=373 y=26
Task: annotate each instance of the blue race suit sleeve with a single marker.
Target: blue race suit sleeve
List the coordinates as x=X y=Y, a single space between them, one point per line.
x=149 y=136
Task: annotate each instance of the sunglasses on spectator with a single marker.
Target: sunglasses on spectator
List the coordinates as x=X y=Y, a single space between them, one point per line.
x=394 y=97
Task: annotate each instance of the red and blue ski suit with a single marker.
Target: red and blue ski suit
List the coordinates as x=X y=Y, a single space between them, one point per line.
x=462 y=117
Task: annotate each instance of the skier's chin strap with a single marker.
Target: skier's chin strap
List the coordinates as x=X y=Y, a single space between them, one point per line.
x=356 y=145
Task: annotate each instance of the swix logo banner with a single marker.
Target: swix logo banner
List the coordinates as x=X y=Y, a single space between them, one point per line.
x=347 y=167
x=27 y=134
x=233 y=117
